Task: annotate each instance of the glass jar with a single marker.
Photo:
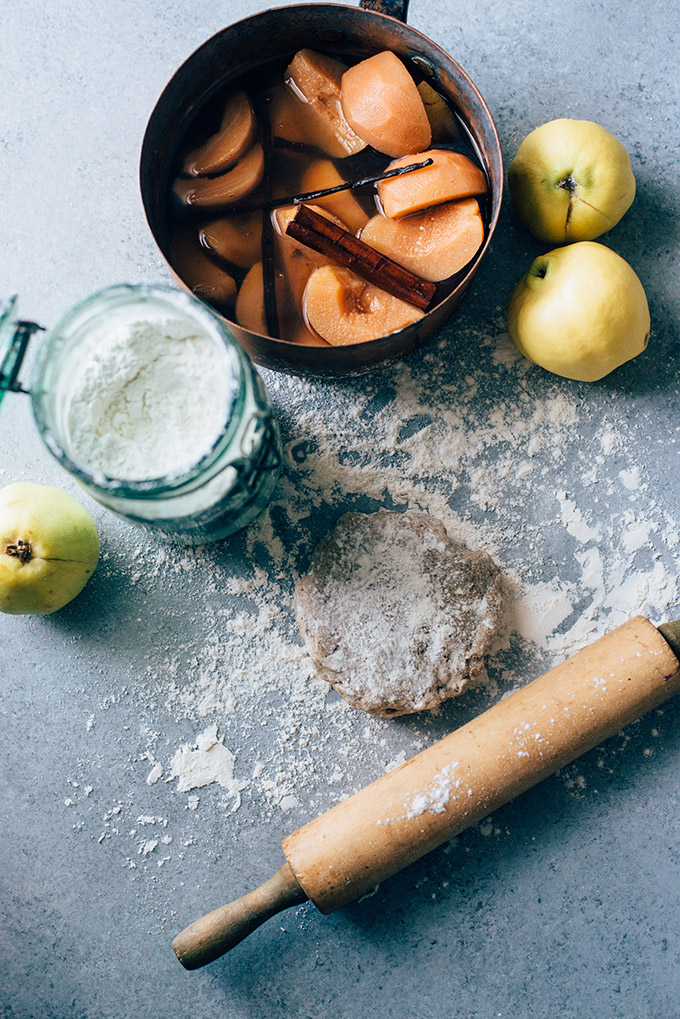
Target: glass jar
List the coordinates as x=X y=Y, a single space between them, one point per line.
x=230 y=483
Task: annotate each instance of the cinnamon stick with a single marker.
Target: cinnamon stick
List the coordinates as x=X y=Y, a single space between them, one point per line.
x=326 y=237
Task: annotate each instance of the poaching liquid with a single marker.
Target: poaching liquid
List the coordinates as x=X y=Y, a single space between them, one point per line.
x=236 y=256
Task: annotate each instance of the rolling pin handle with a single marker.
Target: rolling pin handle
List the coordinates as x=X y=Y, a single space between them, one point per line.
x=214 y=934
x=671 y=634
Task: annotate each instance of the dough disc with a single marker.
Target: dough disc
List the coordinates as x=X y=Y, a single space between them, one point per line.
x=394 y=613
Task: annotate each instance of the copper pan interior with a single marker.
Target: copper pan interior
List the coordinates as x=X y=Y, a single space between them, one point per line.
x=278 y=33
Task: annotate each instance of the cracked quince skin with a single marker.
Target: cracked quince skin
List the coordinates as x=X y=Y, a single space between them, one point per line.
x=48 y=549
x=580 y=312
x=571 y=180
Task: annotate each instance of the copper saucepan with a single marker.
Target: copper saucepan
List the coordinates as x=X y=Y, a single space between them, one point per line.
x=375 y=25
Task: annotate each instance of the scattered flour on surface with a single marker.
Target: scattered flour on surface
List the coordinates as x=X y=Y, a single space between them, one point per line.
x=205 y=761
x=511 y=460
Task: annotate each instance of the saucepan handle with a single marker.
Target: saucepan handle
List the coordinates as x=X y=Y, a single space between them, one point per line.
x=395 y=8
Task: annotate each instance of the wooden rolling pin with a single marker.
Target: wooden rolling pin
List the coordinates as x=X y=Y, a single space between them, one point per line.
x=456 y=782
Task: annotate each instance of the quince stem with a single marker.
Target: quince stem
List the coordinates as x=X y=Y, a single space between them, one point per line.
x=21 y=550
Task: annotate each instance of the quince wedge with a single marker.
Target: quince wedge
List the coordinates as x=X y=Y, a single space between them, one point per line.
x=321 y=174
x=342 y=308
x=450 y=176
x=228 y=188
x=434 y=244
x=296 y=260
x=382 y=104
x=314 y=80
x=232 y=140
x=250 y=309
x=237 y=239
x=442 y=121
x=197 y=270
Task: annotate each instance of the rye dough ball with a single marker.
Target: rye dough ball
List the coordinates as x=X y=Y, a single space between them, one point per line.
x=394 y=613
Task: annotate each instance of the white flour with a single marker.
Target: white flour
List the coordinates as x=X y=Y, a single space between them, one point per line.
x=555 y=487
x=436 y=797
x=205 y=762
x=149 y=401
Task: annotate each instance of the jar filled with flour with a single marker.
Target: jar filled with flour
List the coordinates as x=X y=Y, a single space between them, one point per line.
x=144 y=396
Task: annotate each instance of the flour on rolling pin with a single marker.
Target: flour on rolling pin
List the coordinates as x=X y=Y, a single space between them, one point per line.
x=437 y=795
x=481 y=766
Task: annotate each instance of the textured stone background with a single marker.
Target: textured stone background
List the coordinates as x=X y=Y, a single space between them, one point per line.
x=571 y=908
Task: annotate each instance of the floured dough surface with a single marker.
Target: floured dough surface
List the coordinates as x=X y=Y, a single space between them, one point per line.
x=394 y=613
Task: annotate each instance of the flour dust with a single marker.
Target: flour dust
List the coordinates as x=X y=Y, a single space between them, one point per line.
x=547 y=476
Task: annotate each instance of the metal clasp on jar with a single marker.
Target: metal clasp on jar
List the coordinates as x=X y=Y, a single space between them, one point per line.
x=15 y=337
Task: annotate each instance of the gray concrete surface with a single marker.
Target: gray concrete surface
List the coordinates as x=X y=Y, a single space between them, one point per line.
x=563 y=905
